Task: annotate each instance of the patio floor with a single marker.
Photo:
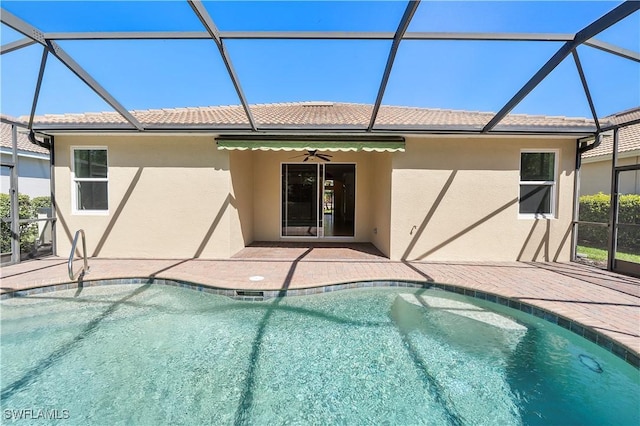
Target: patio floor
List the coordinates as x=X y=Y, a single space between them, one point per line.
x=606 y=302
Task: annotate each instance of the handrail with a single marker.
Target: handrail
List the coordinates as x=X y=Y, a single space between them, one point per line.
x=85 y=268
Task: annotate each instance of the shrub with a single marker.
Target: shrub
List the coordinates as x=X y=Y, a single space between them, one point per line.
x=595 y=208
x=28 y=231
x=40 y=203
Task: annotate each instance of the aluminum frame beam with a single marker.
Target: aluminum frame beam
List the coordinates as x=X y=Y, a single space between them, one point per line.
x=129 y=35
x=323 y=35
x=326 y=130
x=36 y=95
x=320 y=35
x=462 y=36
x=202 y=14
x=30 y=31
x=402 y=29
x=596 y=27
x=585 y=86
x=613 y=49
x=15 y=45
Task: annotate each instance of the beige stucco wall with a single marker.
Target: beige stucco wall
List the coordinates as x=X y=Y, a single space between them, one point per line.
x=457 y=199
x=443 y=199
x=380 y=204
x=267 y=192
x=169 y=197
x=241 y=221
x=596 y=177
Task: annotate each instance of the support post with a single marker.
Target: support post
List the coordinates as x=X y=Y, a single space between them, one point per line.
x=576 y=205
x=613 y=207
x=15 y=207
x=52 y=188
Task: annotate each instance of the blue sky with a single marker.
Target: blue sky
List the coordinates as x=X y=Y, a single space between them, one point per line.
x=438 y=74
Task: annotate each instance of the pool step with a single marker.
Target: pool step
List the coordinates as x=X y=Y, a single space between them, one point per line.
x=463 y=309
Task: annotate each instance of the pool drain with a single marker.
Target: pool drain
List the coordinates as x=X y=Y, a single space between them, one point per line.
x=590 y=363
x=249 y=293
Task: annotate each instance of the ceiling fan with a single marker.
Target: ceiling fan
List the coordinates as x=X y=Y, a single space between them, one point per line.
x=314 y=154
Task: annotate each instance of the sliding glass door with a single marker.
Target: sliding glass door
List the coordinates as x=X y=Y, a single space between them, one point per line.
x=318 y=200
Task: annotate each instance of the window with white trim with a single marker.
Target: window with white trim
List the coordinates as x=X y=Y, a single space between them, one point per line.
x=537 y=183
x=90 y=180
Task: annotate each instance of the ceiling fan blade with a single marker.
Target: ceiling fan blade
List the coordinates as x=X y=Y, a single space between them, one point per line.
x=323 y=157
x=306 y=159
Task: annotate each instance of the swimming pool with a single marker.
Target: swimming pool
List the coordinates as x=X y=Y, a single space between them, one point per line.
x=149 y=354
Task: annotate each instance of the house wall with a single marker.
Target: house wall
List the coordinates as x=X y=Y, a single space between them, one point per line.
x=443 y=199
x=241 y=221
x=457 y=199
x=596 y=177
x=33 y=175
x=267 y=193
x=169 y=197
x=380 y=204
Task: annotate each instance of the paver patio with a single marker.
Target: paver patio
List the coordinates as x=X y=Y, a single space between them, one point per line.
x=605 y=302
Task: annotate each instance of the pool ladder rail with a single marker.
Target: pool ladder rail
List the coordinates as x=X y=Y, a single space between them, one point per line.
x=85 y=267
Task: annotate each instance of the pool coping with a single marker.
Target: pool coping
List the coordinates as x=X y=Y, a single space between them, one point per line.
x=582 y=330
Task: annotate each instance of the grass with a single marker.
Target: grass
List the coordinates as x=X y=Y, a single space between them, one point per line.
x=601 y=255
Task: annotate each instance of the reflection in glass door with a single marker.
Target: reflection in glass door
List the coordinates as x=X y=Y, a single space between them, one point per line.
x=339 y=200
x=300 y=200
x=318 y=200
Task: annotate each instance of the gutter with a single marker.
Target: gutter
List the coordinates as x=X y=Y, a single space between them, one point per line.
x=43 y=144
x=583 y=146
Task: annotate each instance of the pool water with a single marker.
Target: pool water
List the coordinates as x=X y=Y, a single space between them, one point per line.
x=154 y=355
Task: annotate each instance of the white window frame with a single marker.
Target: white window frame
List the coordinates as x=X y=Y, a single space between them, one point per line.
x=74 y=179
x=553 y=184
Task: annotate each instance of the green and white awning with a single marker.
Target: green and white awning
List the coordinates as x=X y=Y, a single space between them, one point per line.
x=373 y=145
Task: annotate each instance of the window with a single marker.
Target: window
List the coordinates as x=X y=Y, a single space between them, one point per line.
x=537 y=183
x=90 y=181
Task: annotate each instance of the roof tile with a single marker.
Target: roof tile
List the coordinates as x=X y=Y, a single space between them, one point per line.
x=628 y=141
x=628 y=136
x=319 y=115
x=24 y=144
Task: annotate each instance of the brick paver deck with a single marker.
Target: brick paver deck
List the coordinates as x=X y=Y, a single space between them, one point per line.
x=606 y=302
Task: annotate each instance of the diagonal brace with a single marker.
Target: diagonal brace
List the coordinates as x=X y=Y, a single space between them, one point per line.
x=402 y=29
x=38 y=36
x=213 y=31
x=585 y=86
x=590 y=31
x=15 y=45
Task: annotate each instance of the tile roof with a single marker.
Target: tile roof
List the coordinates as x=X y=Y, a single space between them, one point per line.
x=624 y=116
x=317 y=115
x=628 y=137
x=24 y=144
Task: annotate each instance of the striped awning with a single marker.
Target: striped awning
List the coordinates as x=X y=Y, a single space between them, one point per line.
x=373 y=145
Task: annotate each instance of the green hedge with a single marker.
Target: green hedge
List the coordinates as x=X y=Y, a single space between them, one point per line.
x=28 y=209
x=595 y=208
